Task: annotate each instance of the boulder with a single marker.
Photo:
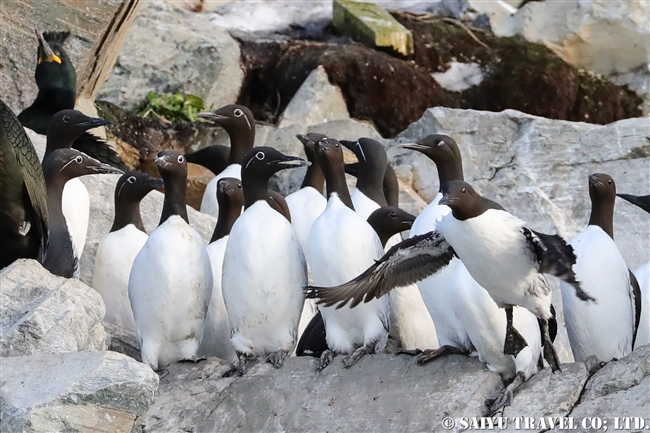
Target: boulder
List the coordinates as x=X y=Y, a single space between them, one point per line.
x=75 y=392
x=316 y=101
x=42 y=313
x=169 y=49
x=618 y=390
x=602 y=36
x=380 y=393
x=122 y=341
x=373 y=25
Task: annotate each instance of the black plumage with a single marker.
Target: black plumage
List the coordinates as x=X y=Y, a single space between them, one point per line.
x=23 y=203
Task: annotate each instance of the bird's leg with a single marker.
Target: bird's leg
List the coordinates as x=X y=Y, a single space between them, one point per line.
x=515 y=342
x=505 y=398
x=194 y=359
x=353 y=358
x=276 y=358
x=428 y=355
x=242 y=364
x=326 y=359
x=550 y=355
x=409 y=352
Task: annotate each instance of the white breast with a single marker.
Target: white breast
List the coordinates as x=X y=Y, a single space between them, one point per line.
x=494 y=250
x=363 y=205
x=305 y=206
x=209 y=202
x=342 y=245
x=264 y=274
x=216 y=332
x=113 y=262
x=603 y=328
x=643 y=278
x=169 y=289
x=75 y=205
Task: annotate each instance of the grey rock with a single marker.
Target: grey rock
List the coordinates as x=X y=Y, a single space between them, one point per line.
x=316 y=101
x=169 y=49
x=41 y=313
x=395 y=393
x=350 y=129
x=75 y=392
x=122 y=341
x=620 y=375
x=533 y=398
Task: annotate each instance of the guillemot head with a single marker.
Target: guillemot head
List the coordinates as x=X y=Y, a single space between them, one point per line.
x=66 y=125
x=602 y=188
x=230 y=190
x=267 y=161
x=135 y=185
x=231 y=118
x=171 y=162
x=443 y=151
x=367 y=151
x=389 y=220
x=70 y=163
x=464 y=201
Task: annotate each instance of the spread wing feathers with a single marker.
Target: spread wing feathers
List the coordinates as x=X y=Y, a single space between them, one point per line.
x=31 y=169
x=637 y=302
x=406 y=263
x=555 y=257
x=100 y=150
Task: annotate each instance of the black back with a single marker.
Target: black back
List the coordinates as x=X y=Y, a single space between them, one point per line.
x=313 y=341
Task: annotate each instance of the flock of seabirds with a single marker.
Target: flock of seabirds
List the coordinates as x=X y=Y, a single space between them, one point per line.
x=311 y=273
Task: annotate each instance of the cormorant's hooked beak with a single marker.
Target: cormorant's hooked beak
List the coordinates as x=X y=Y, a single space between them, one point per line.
x=94 y=122
x=211 y=115
x=101 y=168
x=48 y=54
x=293 y=161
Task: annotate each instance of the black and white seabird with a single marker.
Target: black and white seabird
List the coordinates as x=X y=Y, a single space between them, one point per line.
x=23 y=199
x=118 y=249
x=59 y=167
x=171 y=278
x=239 y=123
x=642 y=275
x=503 y=255
x=216 y=333
x=65 y=126
x=608 y=328
x=341 y=245
x=264 y=268
x=57 y=90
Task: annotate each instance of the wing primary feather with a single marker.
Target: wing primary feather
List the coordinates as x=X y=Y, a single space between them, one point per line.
x=555 y=257
x=408 y=262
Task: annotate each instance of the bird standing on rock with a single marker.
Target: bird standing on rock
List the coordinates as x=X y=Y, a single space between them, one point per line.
x=23 y=198
x=239 y=123
x=606 y=329
x=216 y=333
x=59 y=167
x=341 y=245
x=118 y=249
x=57 y=90
x=171 y=279
x=264 y=268
x=642 y=275
x=503 y=255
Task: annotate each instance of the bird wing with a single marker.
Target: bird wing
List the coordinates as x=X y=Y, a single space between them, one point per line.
x=97 y=148
x=555 y=257
x=32 y=172
x=636 y=301
x=408 y=262
x=641 y=201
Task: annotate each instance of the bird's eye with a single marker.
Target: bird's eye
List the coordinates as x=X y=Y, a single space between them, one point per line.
x=392 y=215
x=131 y=179
x=239 y=185
x=66 y=118
x=181 y=159
x=441 y=143
x=260 y=155
x=238 y=112
x=463 y=190
x=609 y=181
x=337 y=145
x=78 y=159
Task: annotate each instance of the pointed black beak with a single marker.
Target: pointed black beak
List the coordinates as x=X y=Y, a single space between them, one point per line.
x=94 y=122
x=101 y=168
x=349 y=145
x=211 y=115
x=156 y=183
x=292 y=162
x=445 y=200
x=414 y=146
